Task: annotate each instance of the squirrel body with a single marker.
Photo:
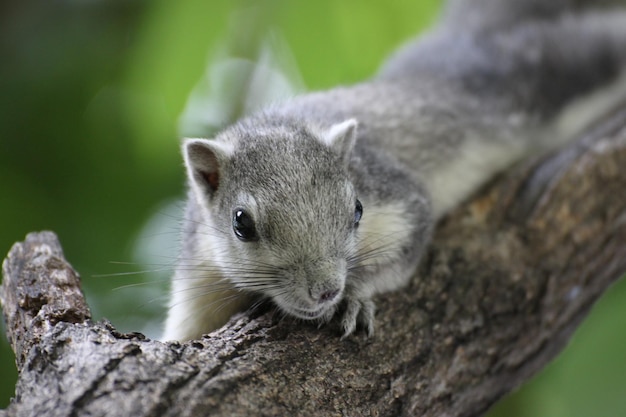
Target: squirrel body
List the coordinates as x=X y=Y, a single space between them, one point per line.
x=323 y=201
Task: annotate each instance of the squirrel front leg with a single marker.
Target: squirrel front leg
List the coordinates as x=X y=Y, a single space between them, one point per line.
x=200 y=301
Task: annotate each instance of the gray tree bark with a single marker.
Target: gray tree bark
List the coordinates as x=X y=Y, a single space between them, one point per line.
x=508 y=278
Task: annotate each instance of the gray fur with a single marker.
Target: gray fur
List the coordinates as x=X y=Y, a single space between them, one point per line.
x=444 y=114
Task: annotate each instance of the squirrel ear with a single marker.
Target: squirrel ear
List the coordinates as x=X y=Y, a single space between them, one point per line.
x=204 y=160
x=341 y=137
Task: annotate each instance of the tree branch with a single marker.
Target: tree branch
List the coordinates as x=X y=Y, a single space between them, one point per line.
x=509 y=277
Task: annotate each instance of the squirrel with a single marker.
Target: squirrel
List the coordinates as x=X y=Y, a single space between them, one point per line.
x=323 y=201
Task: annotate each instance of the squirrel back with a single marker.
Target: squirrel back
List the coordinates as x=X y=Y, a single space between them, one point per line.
x=323 y=201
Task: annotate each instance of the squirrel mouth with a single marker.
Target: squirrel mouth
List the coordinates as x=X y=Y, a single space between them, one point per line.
x=308 y=314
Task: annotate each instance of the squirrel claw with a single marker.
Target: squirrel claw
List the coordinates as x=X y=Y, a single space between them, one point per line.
x=361 y=312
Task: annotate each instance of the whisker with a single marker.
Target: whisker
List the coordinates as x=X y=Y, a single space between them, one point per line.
x=120 y=274
x=139 y=284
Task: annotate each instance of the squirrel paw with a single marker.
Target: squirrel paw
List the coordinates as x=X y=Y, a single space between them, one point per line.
x=359 y=312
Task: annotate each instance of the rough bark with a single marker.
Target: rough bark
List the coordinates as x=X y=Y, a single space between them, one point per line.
x=508 y=278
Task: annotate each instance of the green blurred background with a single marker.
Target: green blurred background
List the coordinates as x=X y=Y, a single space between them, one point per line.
x=91 y=97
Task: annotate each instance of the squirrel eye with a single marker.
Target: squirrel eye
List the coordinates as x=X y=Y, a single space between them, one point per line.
x=243 y=226
x=358 y=213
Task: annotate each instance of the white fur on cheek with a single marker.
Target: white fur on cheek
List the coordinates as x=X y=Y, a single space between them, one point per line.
x=383 y=228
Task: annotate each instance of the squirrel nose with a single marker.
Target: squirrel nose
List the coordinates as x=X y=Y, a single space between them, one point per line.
x=327 y=296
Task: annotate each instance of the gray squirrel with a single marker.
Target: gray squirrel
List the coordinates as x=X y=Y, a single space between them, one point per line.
x=327 y=199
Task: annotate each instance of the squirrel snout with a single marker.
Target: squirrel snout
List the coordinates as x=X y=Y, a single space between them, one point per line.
x=324 y=281
x=327 y=296
x=324 y=295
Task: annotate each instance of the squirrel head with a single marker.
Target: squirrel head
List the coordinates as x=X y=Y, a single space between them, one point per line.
x=281 y=209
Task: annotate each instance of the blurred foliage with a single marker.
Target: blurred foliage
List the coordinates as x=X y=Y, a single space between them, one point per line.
x=90 y=98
